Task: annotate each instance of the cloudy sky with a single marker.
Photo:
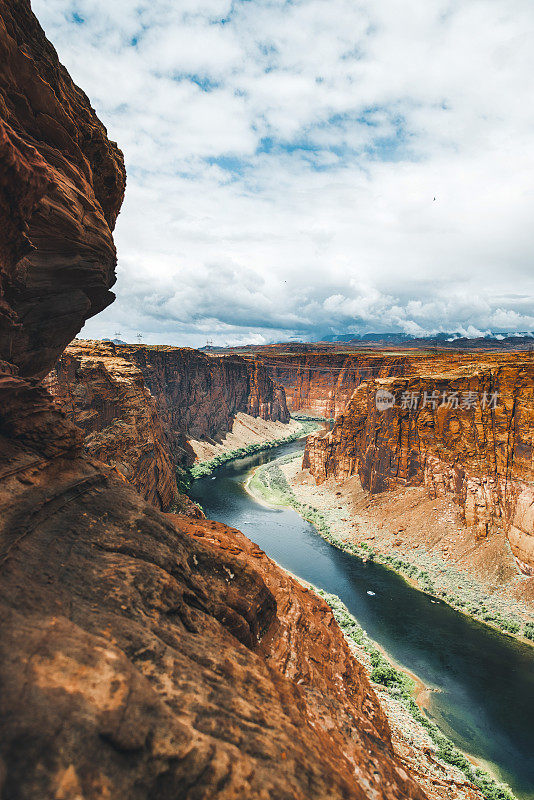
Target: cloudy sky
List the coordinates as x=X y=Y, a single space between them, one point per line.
x=283 y=158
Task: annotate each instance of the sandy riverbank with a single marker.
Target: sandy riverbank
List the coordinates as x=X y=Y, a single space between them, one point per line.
x=246 y=430
x=230 y=448
x=425 y=540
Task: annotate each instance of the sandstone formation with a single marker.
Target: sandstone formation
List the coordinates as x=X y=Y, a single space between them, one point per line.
x=139 y=406
x=201 y=395
x=169 y=658
x=106 y=396
x=482 y=456
x=62 y=184
x=142 y=655
x=323 y=383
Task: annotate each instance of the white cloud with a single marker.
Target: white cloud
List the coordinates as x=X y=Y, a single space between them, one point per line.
x=283 y=159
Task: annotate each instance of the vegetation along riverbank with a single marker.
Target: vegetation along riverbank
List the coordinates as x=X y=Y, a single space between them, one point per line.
x=276 y=483
x=202 y=468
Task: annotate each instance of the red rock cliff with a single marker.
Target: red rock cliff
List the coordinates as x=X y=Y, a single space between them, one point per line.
x=106 y=396
x=142 y=655
x=484 y=456
x=323 y=383
x=200 y=395
x=139 y=406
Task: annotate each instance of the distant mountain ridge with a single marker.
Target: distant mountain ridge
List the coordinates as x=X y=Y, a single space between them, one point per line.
x=522 y=341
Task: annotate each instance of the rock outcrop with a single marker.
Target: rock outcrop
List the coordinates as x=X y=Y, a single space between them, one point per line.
x=139 y=406
x=61 y=187
x=323 y=383
x=105 y=395
x=477 y=446
x=142 y=655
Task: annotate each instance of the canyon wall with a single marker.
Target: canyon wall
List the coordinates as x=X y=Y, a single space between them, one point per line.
x=105 y=395
x=200 y=395
x=477 y=447
x=323 y=383
x=142 y=655
x=139 y=406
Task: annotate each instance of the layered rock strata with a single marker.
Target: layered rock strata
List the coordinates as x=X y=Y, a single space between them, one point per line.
x=142 y=655
x=140 y=406
x=105 y=395
x=483 y=456
x=201 y=395
x=323 y=383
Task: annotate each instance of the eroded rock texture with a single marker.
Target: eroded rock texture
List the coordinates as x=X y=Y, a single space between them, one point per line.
x=139 y=406
x=482 y=456
x=141 y=655
x=169 y=658
x=200 y=395
x=61 y=187
x=323 y=383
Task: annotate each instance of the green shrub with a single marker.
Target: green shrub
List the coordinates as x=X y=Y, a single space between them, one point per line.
x=183 y=480
x=509 y=625
x=386 y=675
x=449 y=753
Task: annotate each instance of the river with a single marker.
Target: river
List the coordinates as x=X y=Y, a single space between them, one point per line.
x=484 y=680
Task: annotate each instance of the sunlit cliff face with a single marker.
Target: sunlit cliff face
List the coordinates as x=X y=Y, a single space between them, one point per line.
x=463 y=426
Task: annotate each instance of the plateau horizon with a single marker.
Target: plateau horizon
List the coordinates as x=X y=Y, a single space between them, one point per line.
x=438 y=337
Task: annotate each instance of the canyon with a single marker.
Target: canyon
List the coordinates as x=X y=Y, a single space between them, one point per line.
x=144 y=410
x=480 y=459
x=160 y=407
x=142 y=654
x=322 y=383
x=479 y=454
